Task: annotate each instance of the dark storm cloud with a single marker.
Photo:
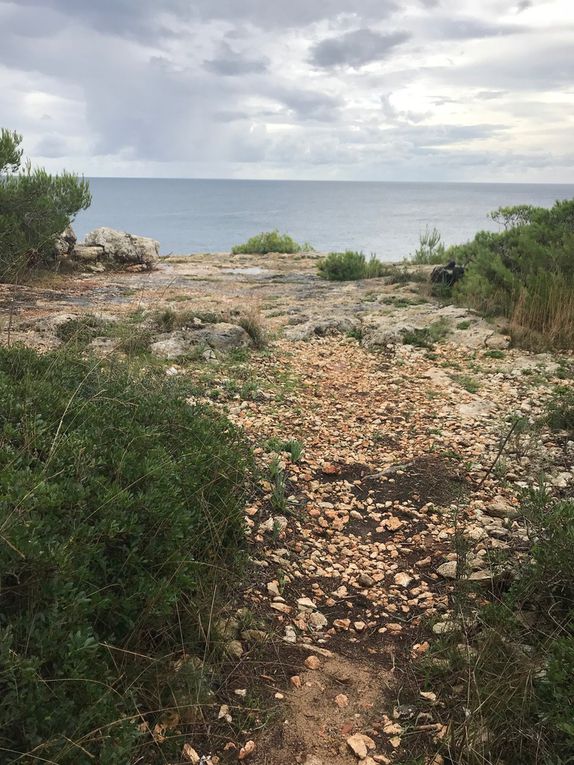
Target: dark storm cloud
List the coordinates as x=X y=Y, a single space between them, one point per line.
x=355 y=49
x=229 y=63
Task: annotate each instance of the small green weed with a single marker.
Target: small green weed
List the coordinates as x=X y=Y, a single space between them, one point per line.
x=293 y=447
x=468 y=383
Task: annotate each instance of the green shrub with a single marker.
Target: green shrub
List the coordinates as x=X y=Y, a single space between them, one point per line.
x=35 y=208
x=525 y=273
x=561 y=410
x=525 y=665
x=270 y=241
x=431 y=249
x=510 y=692
x=350 y=266
x=121 y=514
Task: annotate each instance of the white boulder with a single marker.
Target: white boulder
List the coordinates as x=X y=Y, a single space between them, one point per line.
x=123 y=248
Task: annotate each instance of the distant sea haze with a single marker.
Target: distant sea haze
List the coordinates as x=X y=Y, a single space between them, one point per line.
x=191 y=216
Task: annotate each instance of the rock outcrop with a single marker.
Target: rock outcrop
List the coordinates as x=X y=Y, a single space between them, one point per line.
x=322 y=327
x=106 y=248
x=122 y=248
x=218 y=337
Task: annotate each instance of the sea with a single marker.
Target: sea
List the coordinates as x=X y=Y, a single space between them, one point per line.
x=385 y=219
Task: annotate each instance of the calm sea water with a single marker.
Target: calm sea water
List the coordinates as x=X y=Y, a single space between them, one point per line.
x=383 y=218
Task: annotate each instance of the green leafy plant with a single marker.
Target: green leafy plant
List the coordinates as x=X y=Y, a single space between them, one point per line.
x=35 y=208
x=350 y=266
x=270 y=241
x=121 y=516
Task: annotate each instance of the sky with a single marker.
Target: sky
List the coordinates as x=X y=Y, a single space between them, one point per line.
x=390 y=90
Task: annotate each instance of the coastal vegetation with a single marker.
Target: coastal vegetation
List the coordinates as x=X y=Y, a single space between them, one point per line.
x=35 y=208
x=270 y=241
x=122 y=525
x=524 y=273
x=350 y=266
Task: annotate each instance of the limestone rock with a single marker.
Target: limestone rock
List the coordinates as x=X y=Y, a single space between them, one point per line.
x=448 y=569
x=86 y=254
x=360 y=745
x=499 y=508
x=64 y=244
x=218 y=337
x=322 y=328
x=123 y=248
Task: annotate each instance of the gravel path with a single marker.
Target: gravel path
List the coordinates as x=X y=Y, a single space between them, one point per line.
x=355 y=543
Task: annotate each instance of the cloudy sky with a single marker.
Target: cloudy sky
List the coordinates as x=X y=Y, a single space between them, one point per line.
x=318 y=89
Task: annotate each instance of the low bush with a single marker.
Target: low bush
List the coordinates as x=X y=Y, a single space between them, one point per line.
x=525 y=273
x=121 y=514
x=270 y=241
x=350 y=266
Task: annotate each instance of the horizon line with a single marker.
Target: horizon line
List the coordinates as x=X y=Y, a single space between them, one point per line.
x=321 y=180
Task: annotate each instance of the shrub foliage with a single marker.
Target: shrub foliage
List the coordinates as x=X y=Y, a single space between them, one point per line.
x=35 y=207
x=270 y=241
x=350 y=266
x=121 y=517
x=525 y=272
x=521 y=698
